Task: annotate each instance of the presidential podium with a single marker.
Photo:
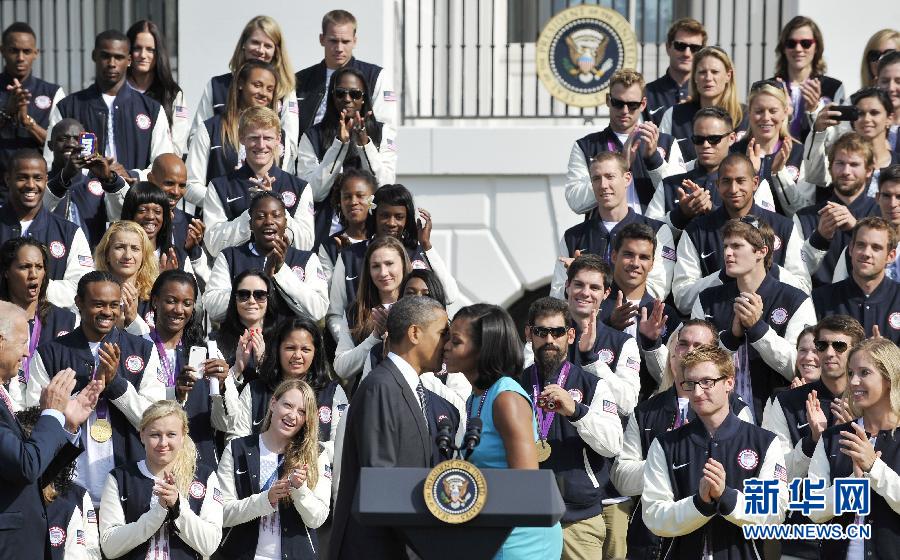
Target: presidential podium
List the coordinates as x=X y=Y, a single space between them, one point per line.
x=515 y=498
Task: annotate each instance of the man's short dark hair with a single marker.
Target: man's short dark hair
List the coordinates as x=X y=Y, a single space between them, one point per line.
x=498 y=344
x=548 y=307
x=738 y=158
x=890 y=174
x=94 y=277
x=409 y=311
x=635 y=231
x=704 y=324
x=111 y=35
x=18 y=27
x=590 y=262
x=714 y=113
x=688 y=25
x=23 y=154
x=843 y=324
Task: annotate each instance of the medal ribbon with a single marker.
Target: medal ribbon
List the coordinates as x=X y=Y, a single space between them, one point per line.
x=170 y=368
x=32 y=345
x=545 y=419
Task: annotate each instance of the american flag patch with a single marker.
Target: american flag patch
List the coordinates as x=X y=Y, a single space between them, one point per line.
x=633 y=364
x=79 y=537
x=611 y=407
x=391 y=145
x=780 y=473
x=91 y=516
x=669 y=253
x=217 y=496
x=181 y=111
x=327 y=473
x=293 y=107
x=390 y=95
x=87 y=261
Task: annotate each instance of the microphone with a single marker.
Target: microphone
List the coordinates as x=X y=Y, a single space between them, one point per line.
x=472 y=437
x=444 y=438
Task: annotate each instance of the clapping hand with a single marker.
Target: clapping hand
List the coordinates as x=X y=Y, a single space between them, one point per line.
x=166 y=491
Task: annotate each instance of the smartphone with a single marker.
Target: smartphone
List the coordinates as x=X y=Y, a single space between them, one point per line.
x=847 y=112
x=88 y=144
x=213 y=352
x=196 y=357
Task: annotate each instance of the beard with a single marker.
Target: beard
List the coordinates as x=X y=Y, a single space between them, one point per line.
x=851 y=189
x=548 y=358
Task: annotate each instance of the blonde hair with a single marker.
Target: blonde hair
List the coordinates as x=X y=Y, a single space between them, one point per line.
x=729 y=98
x=303 y=449
x=232 y=115
x=259 y=117
x=149 y=270
x=781 y=96
x=866 y=79
x=284 y=73
x=627 y=77
x=184 y=465
x=717 y=356
x=885 y=356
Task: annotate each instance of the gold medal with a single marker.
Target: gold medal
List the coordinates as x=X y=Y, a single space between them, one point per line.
x=543 y=450
x=101 y=430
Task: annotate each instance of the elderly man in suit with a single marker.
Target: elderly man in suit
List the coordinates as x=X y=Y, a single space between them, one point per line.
x=28 y=463
x=387 y=422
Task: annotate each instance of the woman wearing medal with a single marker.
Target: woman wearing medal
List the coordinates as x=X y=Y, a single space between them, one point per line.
x=509 y=435
x=23 y=282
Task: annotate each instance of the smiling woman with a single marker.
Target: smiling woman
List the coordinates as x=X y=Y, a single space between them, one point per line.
x=127 y=252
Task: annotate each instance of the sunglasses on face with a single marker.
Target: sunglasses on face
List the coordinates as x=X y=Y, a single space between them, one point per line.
x=259 y=296
x=618 y=104
x=355 y=94
x=875 y=55
x=713 y=139
x=805 y=43
x=839 y=345
x=542 y=332
x=680 y=47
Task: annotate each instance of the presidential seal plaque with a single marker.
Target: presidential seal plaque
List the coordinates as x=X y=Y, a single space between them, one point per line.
x=580 y=49
x=455 y=491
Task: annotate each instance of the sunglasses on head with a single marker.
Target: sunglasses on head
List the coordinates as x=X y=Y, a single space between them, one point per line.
x=770 y=82
x=680 y=46
x=713 y=139
x=750 y=220
x=805 y=43
x=258 y=295
x=618 y=104
x=355 y=94
x=839 y=345
x=542 y=332
x=875 y=55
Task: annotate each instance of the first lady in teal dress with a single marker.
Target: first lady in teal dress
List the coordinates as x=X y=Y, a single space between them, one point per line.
x=484 y=347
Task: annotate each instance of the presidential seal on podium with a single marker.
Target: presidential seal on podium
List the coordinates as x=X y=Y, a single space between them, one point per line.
x=455 y=491
x=580 y=49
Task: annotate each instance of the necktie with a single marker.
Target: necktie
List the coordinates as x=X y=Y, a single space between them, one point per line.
x=420 y=392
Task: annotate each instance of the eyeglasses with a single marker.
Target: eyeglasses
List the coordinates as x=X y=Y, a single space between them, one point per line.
x=713 y=139
x=680 y=47
x=875 y=55
x=618 y=104
x=750 y=220
x=703 y=383
x=805 y=43
x=542 y=332
x=259 y=296
x=355 y=94
x=839 y=345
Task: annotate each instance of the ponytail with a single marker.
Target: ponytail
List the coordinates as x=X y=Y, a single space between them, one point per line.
x=184 y=465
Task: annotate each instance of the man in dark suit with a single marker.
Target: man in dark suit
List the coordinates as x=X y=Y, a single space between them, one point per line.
x=386 y=422
x=30 y=462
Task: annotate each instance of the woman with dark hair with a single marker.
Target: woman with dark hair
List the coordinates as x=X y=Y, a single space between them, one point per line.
x=215 y=148
x=807 y=368
x=179 y=327
x=800 y=65
x=297 y=275
x=394 y=216
x=151 y=74
x=509 y=432
x=352 y=200
x=23 y=281
x=348 y=137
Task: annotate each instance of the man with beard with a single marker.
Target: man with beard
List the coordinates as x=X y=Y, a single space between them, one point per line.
x=868 y=295
x=664 y=412
x=693 y=477
x=170 y=174
x=127 y=364
x=826 y=226
x=578 y=426
x=131 y=128
x=24 y=215
x=387 y=423
x=799 y=416
x=87 y=180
